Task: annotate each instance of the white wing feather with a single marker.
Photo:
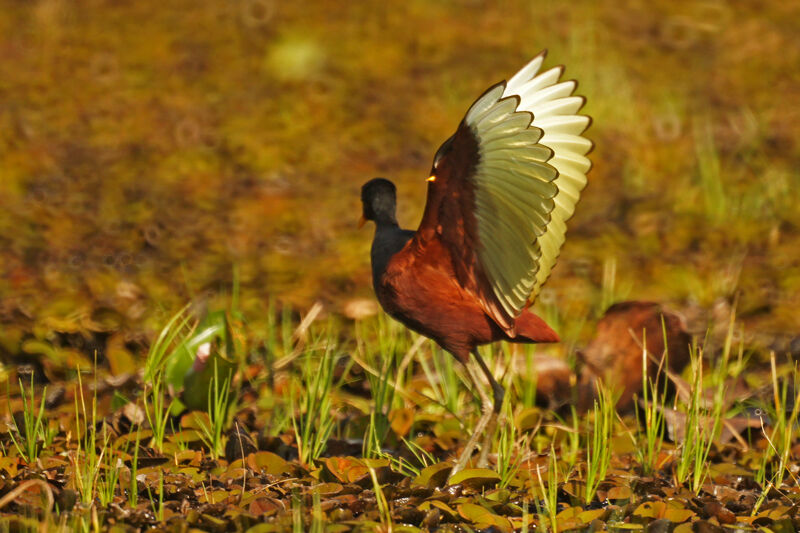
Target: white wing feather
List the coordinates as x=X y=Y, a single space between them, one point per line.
x=531 y=169
x=554 y=112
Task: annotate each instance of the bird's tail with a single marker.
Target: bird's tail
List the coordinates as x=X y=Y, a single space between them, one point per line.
x=531 y=328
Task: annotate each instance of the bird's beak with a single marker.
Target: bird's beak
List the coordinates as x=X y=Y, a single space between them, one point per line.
x=432 y=177
x=361 y=222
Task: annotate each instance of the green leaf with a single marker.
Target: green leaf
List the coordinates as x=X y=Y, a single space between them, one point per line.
x=327 y=489
x=346 y=469
x=588 y=516
x=434 y=475
x=213 y=329
x=484 y=518
x=678 y=515
x=528 y=419
x=619 y=493
x=475 y=478
x=650 y=510
x=268 y=463
x=197 y=384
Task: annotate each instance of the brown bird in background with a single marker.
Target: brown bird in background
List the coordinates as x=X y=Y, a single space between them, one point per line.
x=499 y=194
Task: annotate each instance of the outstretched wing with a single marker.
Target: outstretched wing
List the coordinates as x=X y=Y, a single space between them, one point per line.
x=505 y=185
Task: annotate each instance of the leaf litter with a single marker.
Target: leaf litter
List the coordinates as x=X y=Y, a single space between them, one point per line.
x=98 y=461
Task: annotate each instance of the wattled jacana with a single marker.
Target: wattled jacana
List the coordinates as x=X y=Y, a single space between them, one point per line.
x=499 y=194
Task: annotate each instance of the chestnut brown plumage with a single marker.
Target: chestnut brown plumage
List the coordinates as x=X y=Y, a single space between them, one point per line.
x=499 y=194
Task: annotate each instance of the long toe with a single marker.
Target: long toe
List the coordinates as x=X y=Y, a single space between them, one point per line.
x=486 y=443
x=478 y=432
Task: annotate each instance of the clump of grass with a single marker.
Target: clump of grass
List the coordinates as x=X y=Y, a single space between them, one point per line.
x=692 y=448
x=33 y=435
x=701 y=427
x=156 y=407
x=382 y=399
x=703 y=422
x=510 y=447
x=444 y=380
x=212 y=423
x=547 y=510
x=382 y=361
x=313 y=421
x=650 y=438
x=782 y=436
x=598 y=445
x=107 y=485
x=86 y=460
x=569 y=437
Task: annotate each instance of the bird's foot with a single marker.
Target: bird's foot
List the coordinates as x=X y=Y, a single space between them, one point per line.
x=486 y=444
x=461 y=464
x=469 y=447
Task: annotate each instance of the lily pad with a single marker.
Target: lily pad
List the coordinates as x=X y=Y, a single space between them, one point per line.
x=484 y=518
x=620 y=492
x=435 y=475
x=346 y=469
x=528 y=419
x=268 y=463
x=476 y=478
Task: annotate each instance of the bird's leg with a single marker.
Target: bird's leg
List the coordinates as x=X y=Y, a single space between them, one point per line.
x=488 y=421
x=486 y=409
x=498 y=393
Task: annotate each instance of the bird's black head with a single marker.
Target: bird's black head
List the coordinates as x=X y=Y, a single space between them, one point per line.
x=378 y=198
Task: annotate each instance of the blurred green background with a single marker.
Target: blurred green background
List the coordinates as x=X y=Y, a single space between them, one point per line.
x=149 y=148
